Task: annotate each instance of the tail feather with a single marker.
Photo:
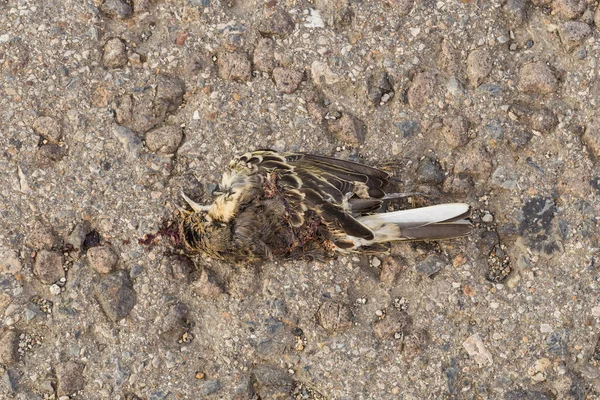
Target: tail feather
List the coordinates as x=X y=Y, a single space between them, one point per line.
x=442 y=221
x=437 y=231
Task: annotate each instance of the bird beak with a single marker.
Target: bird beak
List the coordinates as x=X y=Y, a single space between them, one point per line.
x=195 y=206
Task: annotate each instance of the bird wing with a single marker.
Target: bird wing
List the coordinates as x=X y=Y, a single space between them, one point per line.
x=336 y=189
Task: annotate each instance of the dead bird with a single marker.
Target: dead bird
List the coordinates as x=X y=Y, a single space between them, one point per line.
x=287 y=205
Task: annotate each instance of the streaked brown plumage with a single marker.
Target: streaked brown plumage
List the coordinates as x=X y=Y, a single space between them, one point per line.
x=292 y=204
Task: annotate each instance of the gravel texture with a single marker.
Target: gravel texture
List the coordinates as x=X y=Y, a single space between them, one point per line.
x=109 y=108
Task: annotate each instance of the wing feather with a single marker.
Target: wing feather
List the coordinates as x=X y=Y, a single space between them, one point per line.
x=332 y=187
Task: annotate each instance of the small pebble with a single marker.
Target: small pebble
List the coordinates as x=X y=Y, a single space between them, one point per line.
x=116 y=9
x=477 y=350
x=234 y=66
x=103 y=259
x=54 y=289
x=48 y=266
x=421 y=90
x=70 y=378
x=347 y=129
x=568 y=9
x=116 y=295
x=479 y=66
x=574 y=33
x=49 y=128
x=264 y=55
x=115 y=53
x=287 y=80
x=537 y=78
x=164 y=140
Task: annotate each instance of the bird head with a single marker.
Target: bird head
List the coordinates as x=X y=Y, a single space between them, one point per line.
x=200 y=233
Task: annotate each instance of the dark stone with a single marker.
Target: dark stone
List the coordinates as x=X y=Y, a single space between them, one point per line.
x=563 y=229
x=179 y=268
x=408 y=128
x=92 y=239
x=495 y=130
x=430 y=171
x=280 y=23
x=48 y=266
x=11 y=378
x=431 y=265
x=492 y=89
x=169 y=94
x=175 y=323
x=297 y=332
x=378 y=84
x=595 y=183
x=487 y=241
x=48 y=154
x=518 y=138
x=556 y=343
x=116 y=295
x=538 y=214
x=69 y=376
x=451 y=373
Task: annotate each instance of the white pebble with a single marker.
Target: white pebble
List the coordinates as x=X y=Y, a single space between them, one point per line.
x=487 y=218
x=55 y=289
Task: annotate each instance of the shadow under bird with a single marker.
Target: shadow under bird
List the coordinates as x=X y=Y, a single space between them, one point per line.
x=286 y=205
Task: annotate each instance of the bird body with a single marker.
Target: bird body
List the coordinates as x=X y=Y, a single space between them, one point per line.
x=287 y=205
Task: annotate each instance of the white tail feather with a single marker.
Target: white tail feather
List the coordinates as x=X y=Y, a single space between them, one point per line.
x=417 y=216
